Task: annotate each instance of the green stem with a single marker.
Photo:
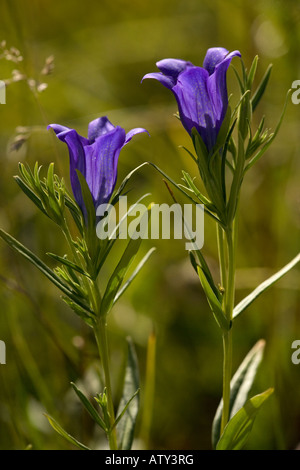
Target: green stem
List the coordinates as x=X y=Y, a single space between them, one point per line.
x=230 y=287
x=222 y=256
x=227 y=371
x=227 y=336
x=100 y=331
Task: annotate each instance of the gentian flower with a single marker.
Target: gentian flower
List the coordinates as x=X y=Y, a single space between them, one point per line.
x=201 y=92
x=96 y=157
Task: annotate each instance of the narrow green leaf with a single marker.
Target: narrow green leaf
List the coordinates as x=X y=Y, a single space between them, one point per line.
x=26 y=253
x=88 y=201
x=189 y=153
x=213 y=301
x=120 y=271
x=30 y=194
x=237 y=180
x=125 y=409
x=252 y=72
x=125 y=427
x=179 y=187
x=197 y=193
x=172 y=182
x=261 y=88
x=50 y=179
x=115 y=232
x=264 y=286
x=271 y=137
x=241 y=85
x=118 y=192
x=57 y=427
x=65 y=261
x=134 y=274
x=240 y=386
x=202 y=263
x=75 y=212
x=223 y=132
x=85 y=315
x=200 y=147
x=89 y=407
x=238 y=429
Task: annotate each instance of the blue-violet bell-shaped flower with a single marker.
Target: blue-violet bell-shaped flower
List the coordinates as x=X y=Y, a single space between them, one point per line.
x=96 y=157
x=201 y=92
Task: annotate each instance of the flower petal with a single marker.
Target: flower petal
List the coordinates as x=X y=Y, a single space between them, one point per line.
x=173 y=67
x=101 y=164
x=214 y=56
x=58 y=129
x=76 y=145
x=194 y=104
x=217 y=87
x=99 y=127
x=168 y=82
x=133 y=132
x=170 y=69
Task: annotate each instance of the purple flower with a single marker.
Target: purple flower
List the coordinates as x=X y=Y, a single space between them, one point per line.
x=96 y=157
x=201 y=92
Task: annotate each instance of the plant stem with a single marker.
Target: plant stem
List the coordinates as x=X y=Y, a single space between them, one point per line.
x=222 y=255
x=100 y=331
x=227 y=336
x=227 y=370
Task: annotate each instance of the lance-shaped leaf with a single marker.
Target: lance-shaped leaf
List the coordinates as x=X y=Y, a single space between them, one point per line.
x=90 y=216
x=134 y=274
x=26 y=253
x=31 y=194
x=202 y=263
x=121 y=188
x=213 y=301
x=238 y=429
x=237 y=180
x=120 y=416
x=268 y=141
x=261 y=88
x=180 y=188
x=87 y=317
x=240 y=386
x=252 y=72
x=126 y=425
x=66 y=262
x=111 y=239
x=121 y=269
x=57 y=427
x=264 y=286
x=197 y=193
x=89 y=407
x=208 y=175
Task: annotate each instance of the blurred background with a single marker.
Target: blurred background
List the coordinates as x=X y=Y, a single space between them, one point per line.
x=100 y=51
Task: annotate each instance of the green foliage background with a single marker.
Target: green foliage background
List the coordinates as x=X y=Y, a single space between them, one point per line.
x=102 y=49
